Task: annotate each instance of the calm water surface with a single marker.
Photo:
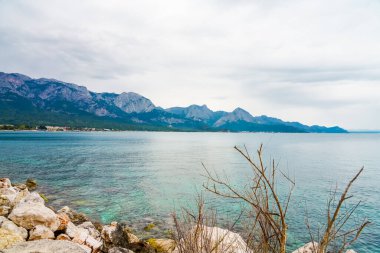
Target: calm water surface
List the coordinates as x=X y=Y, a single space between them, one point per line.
x=135 y=175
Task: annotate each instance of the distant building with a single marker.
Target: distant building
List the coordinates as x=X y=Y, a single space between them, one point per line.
x=56 y=128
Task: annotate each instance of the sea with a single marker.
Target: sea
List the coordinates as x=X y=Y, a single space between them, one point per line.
x=145 y=177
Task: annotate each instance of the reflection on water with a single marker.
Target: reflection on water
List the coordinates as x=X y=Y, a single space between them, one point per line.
x=143 y=175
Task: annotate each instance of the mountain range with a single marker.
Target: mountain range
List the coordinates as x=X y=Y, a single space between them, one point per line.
x=24 y=100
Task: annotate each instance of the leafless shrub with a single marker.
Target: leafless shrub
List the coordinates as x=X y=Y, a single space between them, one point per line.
x=265 y=224
x=337 y=235
x=267 y=211
x=198 y=233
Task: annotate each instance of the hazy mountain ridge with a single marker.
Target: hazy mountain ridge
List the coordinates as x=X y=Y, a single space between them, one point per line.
x=49 y=101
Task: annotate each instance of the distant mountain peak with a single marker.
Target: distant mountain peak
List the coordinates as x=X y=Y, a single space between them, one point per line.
x=24 y=99
x=236 y=115
x=131 y=102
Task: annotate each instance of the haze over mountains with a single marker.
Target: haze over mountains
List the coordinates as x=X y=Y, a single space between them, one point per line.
x=42 y=101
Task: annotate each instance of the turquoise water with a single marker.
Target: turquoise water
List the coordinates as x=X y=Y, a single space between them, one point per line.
x=134 y=176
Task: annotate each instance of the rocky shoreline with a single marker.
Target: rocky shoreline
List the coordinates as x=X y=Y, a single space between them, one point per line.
x=28 y=225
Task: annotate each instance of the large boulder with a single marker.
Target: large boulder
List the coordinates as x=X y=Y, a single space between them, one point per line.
x=7 y=195
x=10 y=196
x=31 y=211
x=9 y=238
x=311 y=247
x=45 y=246
x=40 y=232
x=11 y=226
x=213 y=239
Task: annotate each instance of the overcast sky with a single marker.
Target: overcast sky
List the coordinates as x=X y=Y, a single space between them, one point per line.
x=317 y=62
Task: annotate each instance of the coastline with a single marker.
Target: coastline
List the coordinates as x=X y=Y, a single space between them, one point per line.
x=27 y=224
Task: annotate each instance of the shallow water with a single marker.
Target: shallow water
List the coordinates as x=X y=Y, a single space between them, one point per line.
x=140 y=176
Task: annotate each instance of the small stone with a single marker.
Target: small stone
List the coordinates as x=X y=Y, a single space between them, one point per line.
x=132 y=238
x=162 y=245
x=64 y=220
x=119 y=250
x=7 y=196
x=4 y=210
x=75 y=232
x=31 y=184
x=63 y=237
x=94 y=244
x=20 y=186
x=92 y=231
x=311 y=247
x=40 y=232
x=5 y=183
x=75 y=217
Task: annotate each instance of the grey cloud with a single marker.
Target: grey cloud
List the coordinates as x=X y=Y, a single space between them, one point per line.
x=261 y=55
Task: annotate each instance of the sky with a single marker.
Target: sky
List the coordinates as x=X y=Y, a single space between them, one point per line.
x=317 y=62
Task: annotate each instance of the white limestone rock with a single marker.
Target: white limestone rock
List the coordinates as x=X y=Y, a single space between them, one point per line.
x=31 y=211
x=89 y=226
x=83 y=237
x=46 y=246
x=40 y=232
x=311 y=247
x=9 y=238
x=11 y=226
x=222 y=240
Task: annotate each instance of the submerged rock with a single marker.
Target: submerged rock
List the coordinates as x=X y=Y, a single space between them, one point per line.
x=45 y=246
x=31 y=184
x=31 y=212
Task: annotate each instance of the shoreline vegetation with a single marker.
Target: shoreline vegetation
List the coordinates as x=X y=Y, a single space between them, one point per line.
x=28 y=224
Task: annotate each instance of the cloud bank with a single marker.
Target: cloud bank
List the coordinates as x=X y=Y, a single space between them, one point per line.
x=312 y=61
